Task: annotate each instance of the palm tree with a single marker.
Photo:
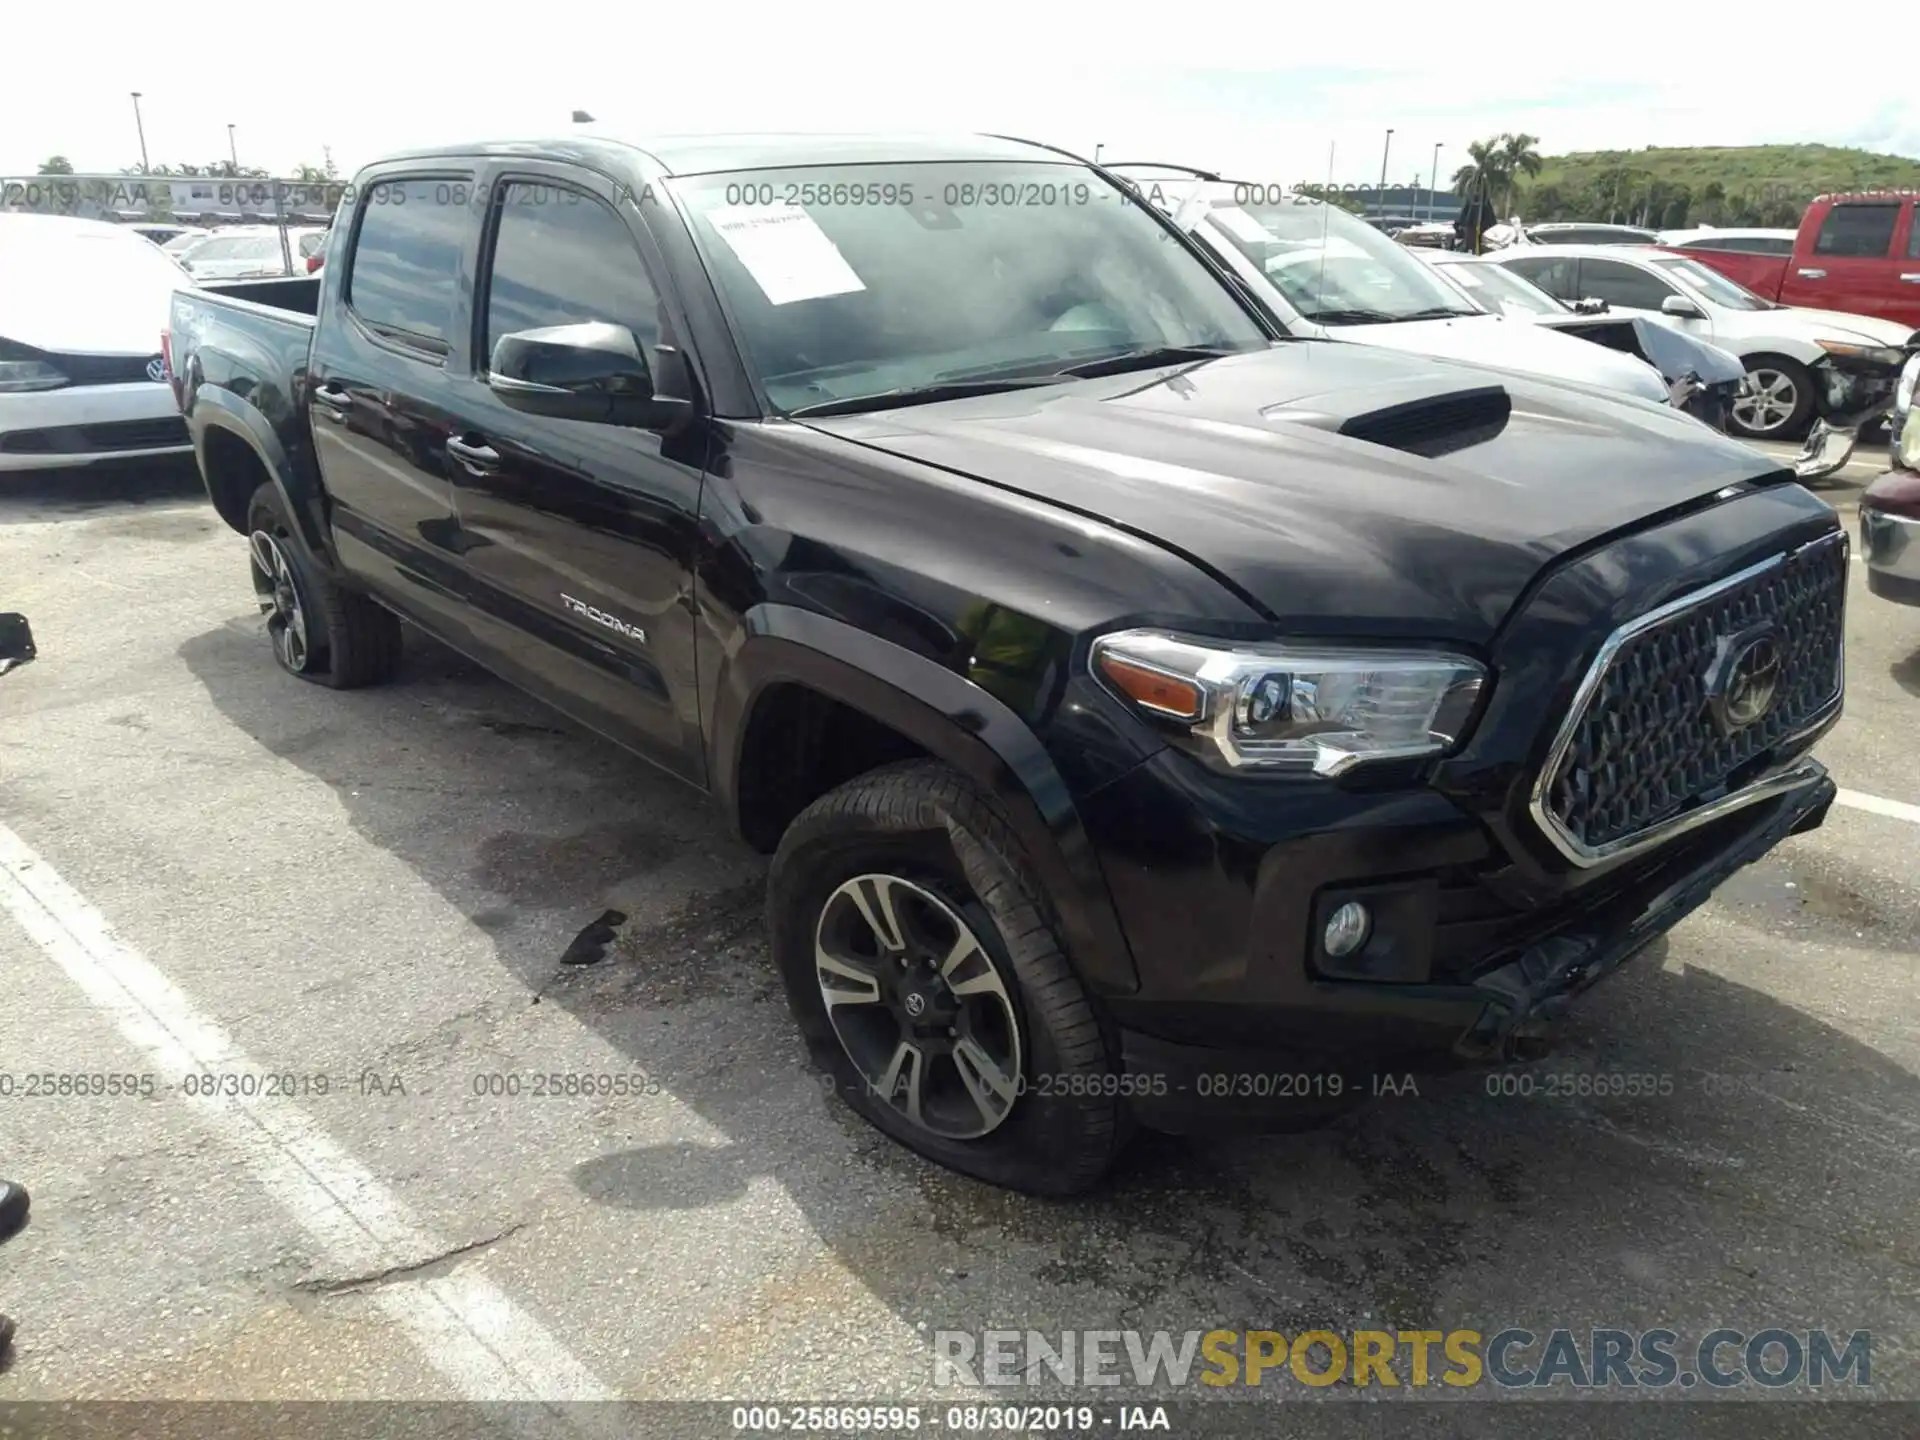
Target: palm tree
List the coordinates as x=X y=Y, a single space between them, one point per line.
x=1484 y=170
x=1519 y=155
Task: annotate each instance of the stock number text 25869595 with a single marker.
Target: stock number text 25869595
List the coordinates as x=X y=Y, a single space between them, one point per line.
x=954 y=195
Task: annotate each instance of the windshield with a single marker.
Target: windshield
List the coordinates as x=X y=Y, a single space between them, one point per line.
x=1710 y=285
x=1498 y=289
x=853 y=281
x=1334 y=268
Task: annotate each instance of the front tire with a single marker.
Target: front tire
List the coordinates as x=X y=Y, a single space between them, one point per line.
x=1776 y=402
x=928 y=981
x=319 y=631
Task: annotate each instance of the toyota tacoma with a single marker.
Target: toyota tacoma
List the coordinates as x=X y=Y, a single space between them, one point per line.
x=1153 y=718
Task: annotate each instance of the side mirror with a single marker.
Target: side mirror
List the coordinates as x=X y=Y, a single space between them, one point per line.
x=1681 y=306
x=592 y=371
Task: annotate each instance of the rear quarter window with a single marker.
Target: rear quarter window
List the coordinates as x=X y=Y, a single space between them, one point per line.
x=406 y=254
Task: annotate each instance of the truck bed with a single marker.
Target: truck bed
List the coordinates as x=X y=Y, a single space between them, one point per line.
x=294 y=294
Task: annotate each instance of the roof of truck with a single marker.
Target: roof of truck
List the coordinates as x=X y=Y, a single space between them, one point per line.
x=704 y=154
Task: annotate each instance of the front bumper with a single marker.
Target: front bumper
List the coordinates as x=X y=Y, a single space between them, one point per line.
x=1850 y=395
x=1890 y=545
x=87 y=424
x=1368 y=1037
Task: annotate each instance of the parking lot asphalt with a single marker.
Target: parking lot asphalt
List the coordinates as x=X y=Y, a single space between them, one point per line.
x=370 y=892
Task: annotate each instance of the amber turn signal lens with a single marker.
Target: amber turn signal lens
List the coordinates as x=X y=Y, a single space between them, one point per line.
x=1152 y=690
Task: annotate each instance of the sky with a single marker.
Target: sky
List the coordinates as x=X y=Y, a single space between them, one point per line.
x=1276 y=92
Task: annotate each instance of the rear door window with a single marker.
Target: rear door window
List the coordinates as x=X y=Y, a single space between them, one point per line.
x=401 y=273
x=1862 y=231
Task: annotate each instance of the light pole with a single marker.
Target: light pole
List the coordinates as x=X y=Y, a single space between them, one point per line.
x=233 y=154
x=1385 y=150
x=1433 y=184
x=145 y=168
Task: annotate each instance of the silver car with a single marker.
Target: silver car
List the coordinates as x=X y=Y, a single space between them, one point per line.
x=1322 y=272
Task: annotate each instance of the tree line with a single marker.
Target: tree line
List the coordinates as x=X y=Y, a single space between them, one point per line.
x=94 y=193
x=1500 y=169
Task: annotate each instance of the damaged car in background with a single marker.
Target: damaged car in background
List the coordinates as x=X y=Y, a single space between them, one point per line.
x=1702 y=379
x=1317 y=271
x=1819 y=374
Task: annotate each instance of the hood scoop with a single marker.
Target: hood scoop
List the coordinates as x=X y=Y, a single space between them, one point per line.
x=1411 y=418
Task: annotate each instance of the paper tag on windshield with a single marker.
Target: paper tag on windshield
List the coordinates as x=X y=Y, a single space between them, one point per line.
x=1239 y=222
x=789 y=256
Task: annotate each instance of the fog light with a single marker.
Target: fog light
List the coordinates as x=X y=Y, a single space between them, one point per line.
x=1347 y=929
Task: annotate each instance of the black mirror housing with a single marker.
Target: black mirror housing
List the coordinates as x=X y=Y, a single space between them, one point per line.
x=592 y=371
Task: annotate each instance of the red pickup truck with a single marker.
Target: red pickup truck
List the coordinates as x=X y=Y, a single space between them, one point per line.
x=1854 y=253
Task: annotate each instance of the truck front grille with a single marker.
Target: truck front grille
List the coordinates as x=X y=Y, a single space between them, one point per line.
x=1655 y=731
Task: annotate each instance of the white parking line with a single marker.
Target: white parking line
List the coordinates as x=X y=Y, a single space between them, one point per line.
x=487 y=1347
x=1895 y=809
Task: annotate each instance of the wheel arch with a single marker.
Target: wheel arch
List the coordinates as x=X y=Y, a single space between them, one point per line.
x=238 y=451
x=939 y=714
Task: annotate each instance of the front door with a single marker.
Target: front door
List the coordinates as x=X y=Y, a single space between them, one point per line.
x=578 y=537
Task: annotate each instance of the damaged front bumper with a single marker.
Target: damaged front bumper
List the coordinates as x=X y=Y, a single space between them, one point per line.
x=1370 y=1038
x=1852 y=391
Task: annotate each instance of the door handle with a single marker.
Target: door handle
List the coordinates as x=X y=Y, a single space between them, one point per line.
x=1813 y=274
x=1911 y=279
x=481 y=459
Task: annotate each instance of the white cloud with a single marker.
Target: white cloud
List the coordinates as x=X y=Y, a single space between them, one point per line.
x=1262 y=90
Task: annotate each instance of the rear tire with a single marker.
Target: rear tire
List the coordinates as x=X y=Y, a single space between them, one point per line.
x=1005 y=1074
x=319 y=631
x=1778 y=403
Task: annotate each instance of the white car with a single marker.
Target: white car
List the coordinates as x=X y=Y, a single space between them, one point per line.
x=189 y=237
x=1781 y=346
x=1322 y=272
x=1750 y=242
x=82 y=306
x=247 y=251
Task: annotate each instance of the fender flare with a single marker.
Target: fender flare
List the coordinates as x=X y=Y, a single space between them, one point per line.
x=215 y=408
x=952 y=719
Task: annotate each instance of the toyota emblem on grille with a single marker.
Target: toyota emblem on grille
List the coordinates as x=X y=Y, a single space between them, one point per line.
x=157 y=370
x=1745 y=679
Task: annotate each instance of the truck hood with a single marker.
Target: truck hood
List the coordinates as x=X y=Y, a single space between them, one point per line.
x=1237 y=465
x=1514 y=345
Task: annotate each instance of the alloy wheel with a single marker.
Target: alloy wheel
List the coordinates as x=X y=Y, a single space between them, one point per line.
x=1766 y=401
x=279 y=597
x=919 y=1005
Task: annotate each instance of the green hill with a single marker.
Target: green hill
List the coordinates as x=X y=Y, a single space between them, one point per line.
x=1711 y=185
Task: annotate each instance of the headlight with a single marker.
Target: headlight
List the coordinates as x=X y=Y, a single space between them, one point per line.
x=1854 y=350
x=24 y=369
x=1288 y=707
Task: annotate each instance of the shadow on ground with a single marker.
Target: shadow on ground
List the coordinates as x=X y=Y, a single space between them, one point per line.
x=1697 y=1153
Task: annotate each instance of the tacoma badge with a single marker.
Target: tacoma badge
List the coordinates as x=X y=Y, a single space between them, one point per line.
x=600 y=617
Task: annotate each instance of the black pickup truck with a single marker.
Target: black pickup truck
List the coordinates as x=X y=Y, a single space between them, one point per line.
x=1153 y=718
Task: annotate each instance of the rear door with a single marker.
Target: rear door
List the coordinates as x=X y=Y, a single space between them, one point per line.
x=378 y=389
x=579 y=537
x=1858 y=254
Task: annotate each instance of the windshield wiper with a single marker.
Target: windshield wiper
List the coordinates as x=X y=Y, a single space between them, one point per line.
x=922 y=395
x=1439 y=312
x=1349 y=317
x=1144 y=359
